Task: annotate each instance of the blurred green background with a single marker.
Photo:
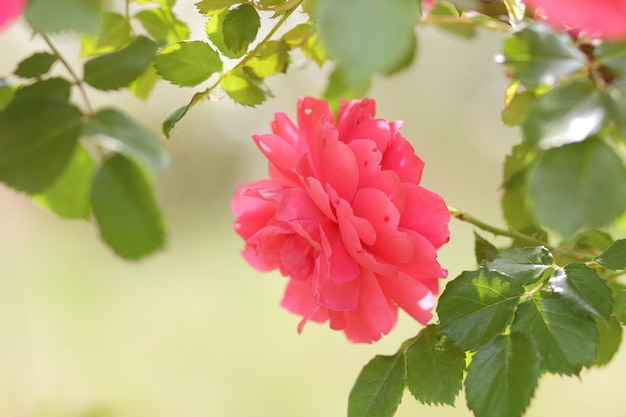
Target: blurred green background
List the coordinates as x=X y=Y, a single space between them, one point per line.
x=194 y=331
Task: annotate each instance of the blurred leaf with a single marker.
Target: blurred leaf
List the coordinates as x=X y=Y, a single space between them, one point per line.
x=50 y=89
x=434 y=368
x=68 y=196
x=240 y=27
x=514 y=114
x=36 y=65
x=314 y=49
x=187 y=63
x=378 y=390
x=502 y=377
x=515 y=205
x=38 y=138
x=271 y=59
x=566 y=341
x=244 y=89
x=582 y=185
x=297 y=36
x=113 y=33
x=570 y=112
x=477 y=306
x=6 y=95
x=615 y=256
x=584 y=289
x=115 y=131
x=144 y=84
x=339 y=87
x=592 y=241
x=616 y=104
x=163 y=25
x=120 y=68
x=168 y=4
x=619 y=306
x=612 y=55
x=208 y=7
x=609 y=340
x=483 y=249
x=447 y=9
x=125 y=210
x=367 y=36
x=175 y=116
x=63 y=15
x=524 y=265
x=540 y=55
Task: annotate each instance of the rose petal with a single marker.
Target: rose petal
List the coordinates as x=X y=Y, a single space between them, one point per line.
x=281 y=154
x=400 y=158
x=283 y=126
x=411 y=295
x=375 y=206
x=311 y=113
x=353 y=112
x=427 y=214
x=343 y=267
x=377 y=130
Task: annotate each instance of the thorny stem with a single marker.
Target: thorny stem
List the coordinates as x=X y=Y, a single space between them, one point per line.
x=68 y=67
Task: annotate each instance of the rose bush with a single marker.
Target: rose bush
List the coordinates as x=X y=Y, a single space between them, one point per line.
x=9 y=11
x=344 y=217
x=602 y=19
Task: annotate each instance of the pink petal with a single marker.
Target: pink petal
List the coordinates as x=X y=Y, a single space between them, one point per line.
x=427 y=214
x=368 y=159
x=10 y=10
x=252 y=212
x=377 y=131
x=300 y=212
x=411 y=295
x=311 y=113
x=297 y=258
x=353 y=112
x=343 y=267
x=280 y=154
x=298 y=298
x=314 y=187
x=400 y=157
x=283 y=126
x=394 y=247
x=424 y=264
x=389 y=183
x=267 y=244
x=375 y=206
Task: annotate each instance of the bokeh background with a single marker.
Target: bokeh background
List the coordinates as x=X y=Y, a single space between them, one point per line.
x=193 y=331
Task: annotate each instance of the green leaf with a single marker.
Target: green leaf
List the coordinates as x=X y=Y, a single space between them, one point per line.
x=609 y=340
x=7 y=93
x=244 y=89
x=339 y=87
x=68 y=196
x=615 y=256
x=565 y=340
x=240 y=27
x=540 y=55
x=37 y=142
x=378 y=390
x=523 y=265
x=63 y=15
x=592 y=241
x=477 y=306
x=115 y=131
x=208 y=7
x=36 y=65
x=612 y=55
x=619 y=306
x=297 y=36
x=579 y=185
x=367 y=36
x=125 y=210
x=173 y=118
x=215 y=31
x=434 y=368
x=144 y=84
x=188 y=63
x=163 y=25
x=515 y=113
x=515 y=205
x=502 y=377
x=447 y=9
x=271 y=59
x=484 y=250
x=119 y=69
x=584 y=289
x=570 y=112
x=113 y=33
x=616 y=104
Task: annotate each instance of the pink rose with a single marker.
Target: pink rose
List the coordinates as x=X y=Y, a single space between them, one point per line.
x=344 y=217
x=603 y=19
x=10 y=10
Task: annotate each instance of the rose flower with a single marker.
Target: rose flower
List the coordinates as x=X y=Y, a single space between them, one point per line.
x=10 y=10
x=344 y=217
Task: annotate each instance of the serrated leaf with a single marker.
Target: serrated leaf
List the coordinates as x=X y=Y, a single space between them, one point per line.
x=188 y=63
x=502 y=377
x=565 y=340
x=68 y=196
x=113 y=33
x=244 y=89
x=207 y=7
x=163 y=25
x=120 y=68
x=271 y=59
x=240 y=27
x=37 y=142
x=214 y=30
x=434 y=367
x=378 y=390
x=125 y=210
x=569 y=113
x=367 y=36
x=484 y=250
x=36 y=65
x=612 y=55
x=619 y=306
x=524 y=265
x=582 y=185
x=614 y=257
x=609 y=340
x=584 y=289
x=339 y=87
x=477 y=306
x=516 y=111
x=63 y=15
x=540 y=55
x=116 y=131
